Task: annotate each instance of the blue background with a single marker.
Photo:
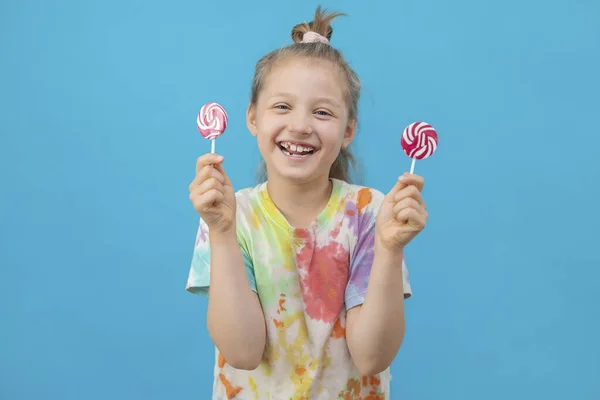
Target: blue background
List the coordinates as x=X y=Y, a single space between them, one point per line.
x=98 y=145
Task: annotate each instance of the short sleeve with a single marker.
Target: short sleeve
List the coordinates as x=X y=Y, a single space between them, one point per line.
x=361 y=259
x=199 y=276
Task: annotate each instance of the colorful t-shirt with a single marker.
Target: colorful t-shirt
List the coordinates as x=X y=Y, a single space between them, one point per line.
x=306 y=279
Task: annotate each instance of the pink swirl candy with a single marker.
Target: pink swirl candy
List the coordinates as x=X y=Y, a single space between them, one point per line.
x=419 y=140
x=211 y=120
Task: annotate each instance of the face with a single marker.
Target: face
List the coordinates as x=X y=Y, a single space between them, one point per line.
x=301 y=120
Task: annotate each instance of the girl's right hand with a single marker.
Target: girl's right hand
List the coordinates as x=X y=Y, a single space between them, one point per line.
x=212 y=194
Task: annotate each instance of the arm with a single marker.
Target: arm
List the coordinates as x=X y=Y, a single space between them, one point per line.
x=235 y=318
x=375 y=329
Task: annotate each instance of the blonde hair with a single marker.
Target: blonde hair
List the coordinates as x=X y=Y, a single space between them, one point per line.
x=340 y=169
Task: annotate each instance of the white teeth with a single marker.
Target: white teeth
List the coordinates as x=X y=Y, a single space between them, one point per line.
x=295 y=154
x=294 y=147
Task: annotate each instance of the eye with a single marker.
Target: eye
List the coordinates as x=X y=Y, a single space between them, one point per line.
x=323 y=113
x=281 y=107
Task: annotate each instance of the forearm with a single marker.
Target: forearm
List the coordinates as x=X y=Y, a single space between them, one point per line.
x=235 y=318
x=377 y=330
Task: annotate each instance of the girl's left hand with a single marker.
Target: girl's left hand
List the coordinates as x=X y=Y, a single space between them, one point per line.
x=402 y=214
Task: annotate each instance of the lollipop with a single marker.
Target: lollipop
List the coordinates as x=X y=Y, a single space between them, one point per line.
x=419 y=141
x=211 y=122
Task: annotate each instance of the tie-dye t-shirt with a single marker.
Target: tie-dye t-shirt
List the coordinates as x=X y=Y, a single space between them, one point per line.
x=305 y=279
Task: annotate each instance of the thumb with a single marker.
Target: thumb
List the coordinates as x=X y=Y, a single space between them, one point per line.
x=219 y=167
x=396 y=188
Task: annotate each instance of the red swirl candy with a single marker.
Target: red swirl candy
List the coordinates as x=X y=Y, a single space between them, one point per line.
x=211 y=120
x=419 y=140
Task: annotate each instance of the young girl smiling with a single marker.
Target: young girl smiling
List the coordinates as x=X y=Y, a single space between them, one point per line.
x=306 y=270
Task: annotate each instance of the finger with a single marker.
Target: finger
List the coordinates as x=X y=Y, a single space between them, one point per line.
x=207 y=200
x=408 y=202
x=412 y=218
x=410 y=192
x=207 y=159
x=208 y=185
x=221 y=170
x=414 y=180
x=207 y=172
x=200 y=190
x=395 y=189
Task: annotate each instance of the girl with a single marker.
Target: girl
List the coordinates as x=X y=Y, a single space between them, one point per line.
x=306 y=270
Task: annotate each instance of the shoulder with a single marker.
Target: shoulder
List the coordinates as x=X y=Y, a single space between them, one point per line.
x=364 y=199
x=248 y=197
x=249 y=207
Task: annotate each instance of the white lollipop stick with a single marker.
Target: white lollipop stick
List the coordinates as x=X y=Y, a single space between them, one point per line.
x=412 y=165
x=212 y=146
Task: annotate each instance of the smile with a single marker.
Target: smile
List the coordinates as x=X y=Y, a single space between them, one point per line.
x=296 y=150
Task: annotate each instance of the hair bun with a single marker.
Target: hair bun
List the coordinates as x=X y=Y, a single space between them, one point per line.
x=320 y=24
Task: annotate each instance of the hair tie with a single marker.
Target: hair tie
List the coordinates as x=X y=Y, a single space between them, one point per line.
x=313 y=37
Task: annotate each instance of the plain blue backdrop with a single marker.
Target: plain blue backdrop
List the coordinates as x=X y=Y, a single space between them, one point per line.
x=98 y=145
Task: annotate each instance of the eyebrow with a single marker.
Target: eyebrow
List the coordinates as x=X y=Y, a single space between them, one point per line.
x=319 y=99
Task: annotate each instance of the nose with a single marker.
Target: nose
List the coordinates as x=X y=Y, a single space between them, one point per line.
x=300 y=123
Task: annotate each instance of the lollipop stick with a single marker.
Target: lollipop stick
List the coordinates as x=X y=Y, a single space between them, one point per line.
x=212 y=146
x=412 y=166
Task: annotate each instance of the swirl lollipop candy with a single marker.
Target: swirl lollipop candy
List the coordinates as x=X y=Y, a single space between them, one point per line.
x=419 y=141
x=211 y=122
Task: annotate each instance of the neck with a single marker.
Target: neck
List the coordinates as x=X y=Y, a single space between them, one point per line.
x=300 y=203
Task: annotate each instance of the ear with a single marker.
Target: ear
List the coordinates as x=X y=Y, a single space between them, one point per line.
x=349 y=134
x=251 y=120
